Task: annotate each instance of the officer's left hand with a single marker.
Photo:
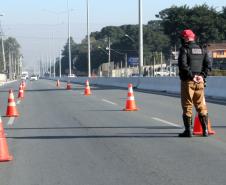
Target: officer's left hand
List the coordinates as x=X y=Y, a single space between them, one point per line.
x=198 y=79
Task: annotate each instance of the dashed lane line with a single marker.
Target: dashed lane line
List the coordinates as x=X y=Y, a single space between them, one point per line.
x=11 y=120
x=166 y=122
x=107 y=101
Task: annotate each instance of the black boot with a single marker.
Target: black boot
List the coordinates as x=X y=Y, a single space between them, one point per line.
x=204 y=123
x=187 y=124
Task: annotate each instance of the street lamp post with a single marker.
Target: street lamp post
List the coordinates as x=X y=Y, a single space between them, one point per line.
x=69 y=40
x=60 y=65
x=88 y=40
x=53 y=55
x=140 y=37
x=109 y=56
x=126 y=35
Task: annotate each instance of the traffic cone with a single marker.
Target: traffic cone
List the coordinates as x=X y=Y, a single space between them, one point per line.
x=58 y=83
x=24 y=85
x=2 y=133
x=130 y=102
x=4 y=151
x=11 y=108
x=21 y=92
x=87 y=90
x=68 y=86
x=197 y=130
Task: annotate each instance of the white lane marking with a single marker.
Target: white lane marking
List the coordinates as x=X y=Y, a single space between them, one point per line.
x=107 y=101
x=166 y=122
x=18 y=102
x=11 y=120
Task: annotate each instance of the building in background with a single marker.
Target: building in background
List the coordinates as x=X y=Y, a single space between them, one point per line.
x=217 y=51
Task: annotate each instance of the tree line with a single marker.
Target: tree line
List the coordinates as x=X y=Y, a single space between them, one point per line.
x=161 y=35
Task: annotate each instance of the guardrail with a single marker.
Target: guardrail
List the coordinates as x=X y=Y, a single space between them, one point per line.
x=216 y=86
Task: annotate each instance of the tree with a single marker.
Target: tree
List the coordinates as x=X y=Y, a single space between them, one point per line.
x=159 y=36
x=12 y=53
x=65 y=55
x=205 y=21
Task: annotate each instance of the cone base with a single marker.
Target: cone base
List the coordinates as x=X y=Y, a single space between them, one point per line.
x=12 y=115
x=5 y=159
x=135 y=109
x=87 y=94
x=200 y=133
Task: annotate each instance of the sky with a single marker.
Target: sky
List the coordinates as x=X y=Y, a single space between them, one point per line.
x=40 y=26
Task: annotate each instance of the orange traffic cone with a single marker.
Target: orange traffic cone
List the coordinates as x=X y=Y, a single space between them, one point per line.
x=24 y=85
x=4 y=151
x=197 y=130
x=2 y=133
x=11 y=108
x=68 y=86
x=58 y=83
x=130 y=102
x=87 y=90
x=21 y=92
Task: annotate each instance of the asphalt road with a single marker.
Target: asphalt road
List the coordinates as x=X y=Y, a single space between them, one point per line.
x=65 y=138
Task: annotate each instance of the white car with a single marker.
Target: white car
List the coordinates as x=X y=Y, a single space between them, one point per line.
x=33 y=77
x=23 y=77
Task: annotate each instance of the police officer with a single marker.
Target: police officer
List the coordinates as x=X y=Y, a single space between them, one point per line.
x=194 y=65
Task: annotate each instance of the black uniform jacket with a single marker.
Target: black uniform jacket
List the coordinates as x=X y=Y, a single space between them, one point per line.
x=186 y=57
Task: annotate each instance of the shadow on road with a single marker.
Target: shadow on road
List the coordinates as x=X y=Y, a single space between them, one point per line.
x=146 y=135
x=97 y=127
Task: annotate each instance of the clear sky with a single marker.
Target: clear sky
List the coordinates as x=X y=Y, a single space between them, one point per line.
x=40 y=26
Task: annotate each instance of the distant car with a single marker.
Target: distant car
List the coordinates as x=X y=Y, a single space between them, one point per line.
x=33 y=77
x=23 y=77
x=71 y=76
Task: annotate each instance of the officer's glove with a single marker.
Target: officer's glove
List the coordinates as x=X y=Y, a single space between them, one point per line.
x=198 y=79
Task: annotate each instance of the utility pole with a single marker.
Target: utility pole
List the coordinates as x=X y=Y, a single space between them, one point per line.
x=140 y=38
x=109 y=55
x=88 y=40
x=126 y=65
x=54 y=67
x=60 y=65
x=161 y=60
x=69 y=41
x=10 y=65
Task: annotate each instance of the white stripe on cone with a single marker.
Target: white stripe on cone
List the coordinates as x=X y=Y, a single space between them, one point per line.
x=131 y=98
